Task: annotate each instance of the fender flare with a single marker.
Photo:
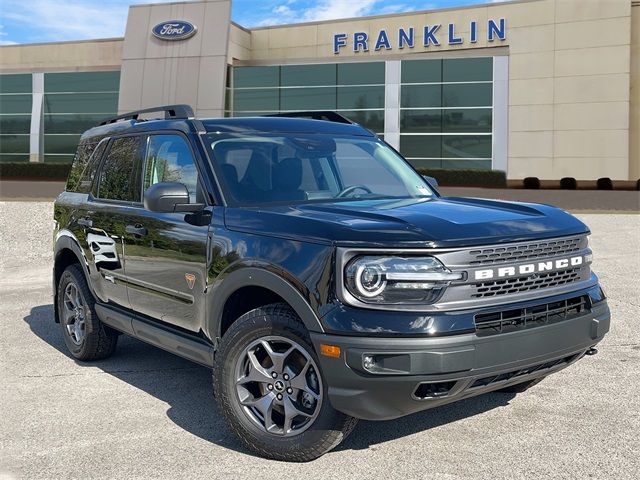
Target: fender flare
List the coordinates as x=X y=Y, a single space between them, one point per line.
x=259 y=277
x=67 y=240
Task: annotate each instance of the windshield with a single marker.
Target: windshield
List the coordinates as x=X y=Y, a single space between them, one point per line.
x=266 y=169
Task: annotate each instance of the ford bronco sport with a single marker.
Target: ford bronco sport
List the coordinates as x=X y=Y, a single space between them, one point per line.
x=314 y=270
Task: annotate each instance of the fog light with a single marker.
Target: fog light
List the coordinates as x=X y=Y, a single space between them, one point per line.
x=369 y=362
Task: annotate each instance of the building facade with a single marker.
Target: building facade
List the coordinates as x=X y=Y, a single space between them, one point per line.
x=545 y=88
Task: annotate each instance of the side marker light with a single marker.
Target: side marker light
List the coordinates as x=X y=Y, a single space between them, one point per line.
x=330 y=350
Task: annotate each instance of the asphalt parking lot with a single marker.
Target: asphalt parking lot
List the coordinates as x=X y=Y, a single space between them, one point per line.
x=145 y=413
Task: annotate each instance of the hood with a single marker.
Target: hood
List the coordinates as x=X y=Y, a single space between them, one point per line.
x=427 y=222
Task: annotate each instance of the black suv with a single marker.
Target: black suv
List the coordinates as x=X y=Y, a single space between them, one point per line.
x=319 y=275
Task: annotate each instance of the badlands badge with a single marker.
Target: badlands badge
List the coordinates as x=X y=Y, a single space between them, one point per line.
x=191 y=280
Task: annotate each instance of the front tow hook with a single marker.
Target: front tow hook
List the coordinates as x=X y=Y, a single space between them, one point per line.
x=591 y=351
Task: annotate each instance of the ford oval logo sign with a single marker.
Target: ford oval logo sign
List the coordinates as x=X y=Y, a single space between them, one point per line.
x=174 y=30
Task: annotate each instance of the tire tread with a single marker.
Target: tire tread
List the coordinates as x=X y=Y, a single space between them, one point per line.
x=102 y=341
x=288 y=320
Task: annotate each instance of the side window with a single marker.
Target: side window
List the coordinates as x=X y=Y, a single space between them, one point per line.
x=80 y=161
x=86 y=180
x=169 y=159
x=120 y=174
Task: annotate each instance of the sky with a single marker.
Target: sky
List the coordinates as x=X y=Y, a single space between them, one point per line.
x=33 y=21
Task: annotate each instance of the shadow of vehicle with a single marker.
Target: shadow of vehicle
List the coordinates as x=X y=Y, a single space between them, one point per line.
x=186 y=388
x=183 y=385
x=367 y=434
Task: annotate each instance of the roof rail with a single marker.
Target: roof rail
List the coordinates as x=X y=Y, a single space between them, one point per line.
x=178 y=112
x=318 y=115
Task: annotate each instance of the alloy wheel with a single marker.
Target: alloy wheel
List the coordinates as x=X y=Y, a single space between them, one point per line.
x=278 y=385
x=74 y=313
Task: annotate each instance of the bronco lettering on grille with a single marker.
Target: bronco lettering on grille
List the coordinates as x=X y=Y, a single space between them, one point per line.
x=529 y=268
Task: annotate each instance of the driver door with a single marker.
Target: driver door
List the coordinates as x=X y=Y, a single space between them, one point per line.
x=166 y=252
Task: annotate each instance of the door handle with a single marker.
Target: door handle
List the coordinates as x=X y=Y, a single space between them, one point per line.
x=85 y=222
x=136 y=229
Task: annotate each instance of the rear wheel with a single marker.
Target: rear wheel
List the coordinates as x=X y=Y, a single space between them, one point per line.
x=86 y=337
x=271 y=390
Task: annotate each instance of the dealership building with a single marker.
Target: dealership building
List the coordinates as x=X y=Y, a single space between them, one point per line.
x=544 y=88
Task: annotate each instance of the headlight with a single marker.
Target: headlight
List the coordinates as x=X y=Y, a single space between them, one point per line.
x=397 y=280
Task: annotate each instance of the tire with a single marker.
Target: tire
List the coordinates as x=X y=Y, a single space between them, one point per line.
x=520 y=387
x=86 y=337
x=275 y=331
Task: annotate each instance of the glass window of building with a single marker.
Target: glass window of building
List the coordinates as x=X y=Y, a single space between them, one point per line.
x=15 y=117
x=356 y=90
x=73 y=103
x=446 y=112
x=446 y=105
x=308 y=75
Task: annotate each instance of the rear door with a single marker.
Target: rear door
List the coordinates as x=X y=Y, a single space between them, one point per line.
x=76 y=210
x=166 y=253
x=118 y=194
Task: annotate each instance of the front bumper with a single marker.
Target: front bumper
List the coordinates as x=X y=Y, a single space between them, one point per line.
x=451 y=367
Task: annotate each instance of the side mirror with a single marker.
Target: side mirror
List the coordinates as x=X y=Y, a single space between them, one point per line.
x=431 y=181
x=169 y=197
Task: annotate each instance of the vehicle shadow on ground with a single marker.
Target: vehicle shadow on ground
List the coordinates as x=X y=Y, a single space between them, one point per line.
x=186 y=388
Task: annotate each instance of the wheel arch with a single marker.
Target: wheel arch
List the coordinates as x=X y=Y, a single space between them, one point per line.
x=67 y=251
x=245 y=280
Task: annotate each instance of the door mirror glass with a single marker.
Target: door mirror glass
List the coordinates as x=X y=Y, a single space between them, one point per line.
x=169 y=197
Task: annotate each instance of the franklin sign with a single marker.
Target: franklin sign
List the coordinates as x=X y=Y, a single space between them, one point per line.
x=174 y=30
x=432 y=36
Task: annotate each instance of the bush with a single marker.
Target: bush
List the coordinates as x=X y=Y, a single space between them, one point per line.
x=568 y=183
x=531 y=183
x=44 y=171
x=466 y=178
x=604 y=183
x=638 y=184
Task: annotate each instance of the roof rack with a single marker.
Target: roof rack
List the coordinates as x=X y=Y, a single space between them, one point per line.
x=176 y=112
x=328 y=115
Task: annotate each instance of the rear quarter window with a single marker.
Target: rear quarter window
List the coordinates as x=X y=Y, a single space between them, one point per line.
x=86 y=179
x=85 y=165
x=80 y=162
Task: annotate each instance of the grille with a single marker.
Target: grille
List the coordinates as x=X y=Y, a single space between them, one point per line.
x=530 y=317
x=526 y=284
x=527 y=251
x=503 y=377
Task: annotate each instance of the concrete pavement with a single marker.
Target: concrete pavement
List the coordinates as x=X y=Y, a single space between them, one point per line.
x=145 y=413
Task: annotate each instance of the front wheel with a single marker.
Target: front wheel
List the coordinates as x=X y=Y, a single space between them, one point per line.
x=271 y=390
